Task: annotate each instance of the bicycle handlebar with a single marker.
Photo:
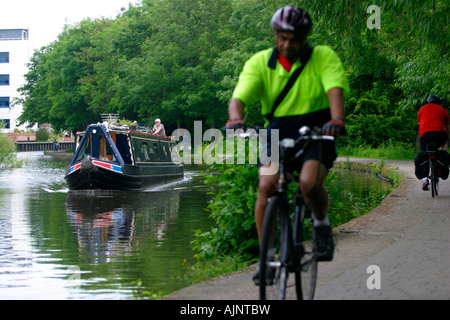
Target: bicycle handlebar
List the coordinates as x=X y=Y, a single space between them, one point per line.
x=315 y=134
x=305 y=133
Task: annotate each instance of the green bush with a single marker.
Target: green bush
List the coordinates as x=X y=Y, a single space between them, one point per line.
x=7 y=151
x=42 y=135
x=232 y=209
x=234 y=233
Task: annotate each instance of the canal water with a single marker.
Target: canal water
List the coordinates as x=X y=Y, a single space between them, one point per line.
x=56 y=244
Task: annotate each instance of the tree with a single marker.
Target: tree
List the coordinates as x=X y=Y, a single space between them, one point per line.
x=52 y=92
x=173 y=78
x=179 y=60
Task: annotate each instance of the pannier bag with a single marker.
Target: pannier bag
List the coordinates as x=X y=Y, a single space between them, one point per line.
x=442 y=164
x=421 y=165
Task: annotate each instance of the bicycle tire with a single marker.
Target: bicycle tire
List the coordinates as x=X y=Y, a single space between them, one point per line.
x=434 y=183
x=274 y=253
x=306 y=275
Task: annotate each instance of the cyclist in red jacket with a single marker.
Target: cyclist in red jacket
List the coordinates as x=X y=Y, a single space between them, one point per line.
x=434 y=125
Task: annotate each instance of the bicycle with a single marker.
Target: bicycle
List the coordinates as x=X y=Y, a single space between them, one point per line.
x=283 y=249
x=433 y=174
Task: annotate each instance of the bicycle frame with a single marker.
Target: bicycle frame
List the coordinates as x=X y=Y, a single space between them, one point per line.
x=291 y=260
x=300 y=207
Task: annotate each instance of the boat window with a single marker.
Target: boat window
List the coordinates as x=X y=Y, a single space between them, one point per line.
x=105 y=150
x=144 y=150
x=99 y=145
x=124 y=147
x=152 y=151
x=165 y=151
x=156 y=149
x=86 y=148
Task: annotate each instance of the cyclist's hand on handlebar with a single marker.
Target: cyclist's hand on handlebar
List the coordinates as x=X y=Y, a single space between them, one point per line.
x=234 y=125
x=335 y=128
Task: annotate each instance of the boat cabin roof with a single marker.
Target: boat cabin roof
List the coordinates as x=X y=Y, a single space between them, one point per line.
x=122 y=145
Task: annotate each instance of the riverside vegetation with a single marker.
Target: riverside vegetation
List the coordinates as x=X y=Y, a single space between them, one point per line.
x=231 y=243
x=8 y=156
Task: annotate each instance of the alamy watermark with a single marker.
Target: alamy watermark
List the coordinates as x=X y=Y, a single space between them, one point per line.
x=374 y=21
x=74 y=279
x=237 y=147
x=374 y=280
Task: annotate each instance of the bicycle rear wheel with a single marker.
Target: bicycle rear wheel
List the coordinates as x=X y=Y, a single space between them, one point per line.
x=306 y=275
x=274 y=254
x=434 y=181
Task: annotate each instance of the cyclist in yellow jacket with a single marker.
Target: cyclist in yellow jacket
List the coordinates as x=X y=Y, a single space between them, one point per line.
x=316 y=99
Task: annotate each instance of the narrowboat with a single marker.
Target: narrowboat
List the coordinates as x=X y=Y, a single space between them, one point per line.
x=116 y=157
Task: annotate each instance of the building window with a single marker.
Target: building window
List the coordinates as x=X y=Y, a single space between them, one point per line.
x=4 y=102
x=13 y=34
x=4 y=79
x=4 y=57
x=5 y=123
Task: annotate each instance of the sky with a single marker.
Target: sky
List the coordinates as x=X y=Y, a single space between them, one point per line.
x=45 y=19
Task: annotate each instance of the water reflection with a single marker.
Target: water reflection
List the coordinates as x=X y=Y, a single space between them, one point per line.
x=123 y=238
x=357 y=182
x=119 y=242
x=105 y=221
x=354 y=193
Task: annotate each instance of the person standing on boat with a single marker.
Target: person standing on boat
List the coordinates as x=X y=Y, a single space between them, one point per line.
x=158 y=128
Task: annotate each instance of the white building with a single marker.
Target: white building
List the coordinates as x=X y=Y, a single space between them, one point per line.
x=15 y=53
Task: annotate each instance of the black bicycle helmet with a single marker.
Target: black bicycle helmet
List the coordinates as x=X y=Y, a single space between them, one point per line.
x=292 y=19
x=432 y=98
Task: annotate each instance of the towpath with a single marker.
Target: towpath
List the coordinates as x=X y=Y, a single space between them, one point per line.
x=401 y=251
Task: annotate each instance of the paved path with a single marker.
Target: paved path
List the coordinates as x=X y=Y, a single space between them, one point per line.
x=404 y=243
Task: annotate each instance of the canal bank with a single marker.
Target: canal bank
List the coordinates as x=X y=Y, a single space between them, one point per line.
x=406 y=238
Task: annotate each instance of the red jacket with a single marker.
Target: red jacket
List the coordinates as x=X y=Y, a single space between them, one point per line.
x=432 y=117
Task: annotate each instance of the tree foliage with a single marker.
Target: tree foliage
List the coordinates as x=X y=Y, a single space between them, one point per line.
x=179 y=60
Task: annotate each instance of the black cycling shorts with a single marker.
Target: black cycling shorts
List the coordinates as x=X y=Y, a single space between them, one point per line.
x=437 y=136
x=322 y=151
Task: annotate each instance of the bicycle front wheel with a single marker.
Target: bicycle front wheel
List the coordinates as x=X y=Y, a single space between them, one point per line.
x=306 y=274
x=274 y=254
x=306 y=278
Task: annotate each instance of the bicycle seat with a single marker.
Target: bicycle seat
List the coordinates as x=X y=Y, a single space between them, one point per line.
x=432 y=147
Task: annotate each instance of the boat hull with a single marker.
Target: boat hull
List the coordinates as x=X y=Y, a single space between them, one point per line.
x=114 y=158
x=91 y=174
